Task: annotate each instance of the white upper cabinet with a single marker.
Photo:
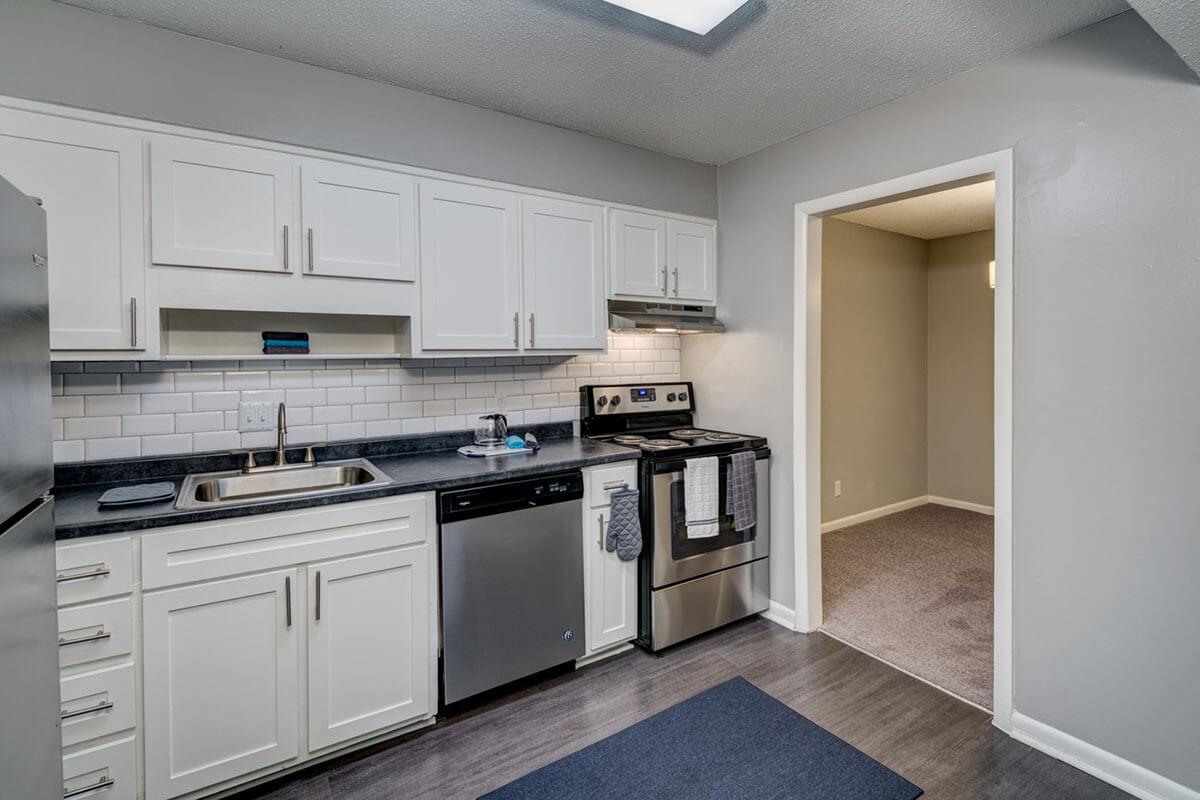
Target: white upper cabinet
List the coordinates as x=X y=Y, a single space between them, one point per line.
x=89 y=178
x=662 y=259
x=221 y=667
x=563 y=270
x=639 y=254
x=470 y=268
x=369 y=654
x=358 y=223
x=214 y=205
x=691 y=258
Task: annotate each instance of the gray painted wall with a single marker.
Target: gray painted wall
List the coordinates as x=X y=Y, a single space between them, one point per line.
x=60 y=54
x=1103 y=126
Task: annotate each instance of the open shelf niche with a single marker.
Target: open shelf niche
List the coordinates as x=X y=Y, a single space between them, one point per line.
x=196 y=334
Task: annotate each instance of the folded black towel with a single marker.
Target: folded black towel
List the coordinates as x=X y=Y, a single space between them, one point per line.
x=293 y=351
x=295 y=336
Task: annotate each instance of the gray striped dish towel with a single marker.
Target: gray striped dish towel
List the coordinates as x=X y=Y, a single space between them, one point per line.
x=740 y=496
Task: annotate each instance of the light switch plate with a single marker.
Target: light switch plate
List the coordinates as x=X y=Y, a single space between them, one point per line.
x=255 y=416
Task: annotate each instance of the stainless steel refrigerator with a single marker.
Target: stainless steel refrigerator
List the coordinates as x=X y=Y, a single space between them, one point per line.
x=30 y=740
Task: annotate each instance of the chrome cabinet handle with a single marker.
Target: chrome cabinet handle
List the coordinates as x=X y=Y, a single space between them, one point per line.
x=600 y=538
x=611 y=486
x=516 y=329
x=89 y=571
x=99 y=635
x=664 y=280
x=103 y=705
x=310 y=249
x=318 y=603
x=286 y=238
x=531 y=330
x=287 y=598
x=133 y=322
x=676 y=274
x=104 y=783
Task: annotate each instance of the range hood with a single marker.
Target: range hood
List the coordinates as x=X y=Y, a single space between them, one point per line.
x=625 y=315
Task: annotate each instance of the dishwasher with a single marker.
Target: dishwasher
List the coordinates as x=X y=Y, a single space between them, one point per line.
x=511 y=580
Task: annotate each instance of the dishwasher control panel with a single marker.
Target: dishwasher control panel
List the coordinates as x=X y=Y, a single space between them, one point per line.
x=496 y=498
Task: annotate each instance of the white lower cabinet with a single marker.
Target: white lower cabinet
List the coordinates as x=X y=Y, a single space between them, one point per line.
x=105 y=772
x=221 y=663
x=337 y=617
x=369 y=649
x=610 y=584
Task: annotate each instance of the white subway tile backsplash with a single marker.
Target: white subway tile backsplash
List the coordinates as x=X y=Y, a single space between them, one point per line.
x=175 y=407
x=199 y=421
x=168 y=444
x=102 y=449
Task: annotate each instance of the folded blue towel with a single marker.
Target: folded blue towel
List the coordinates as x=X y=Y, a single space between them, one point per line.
x=284 y=343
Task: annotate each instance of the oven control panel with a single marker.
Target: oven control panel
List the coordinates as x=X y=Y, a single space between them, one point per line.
x=637 y=398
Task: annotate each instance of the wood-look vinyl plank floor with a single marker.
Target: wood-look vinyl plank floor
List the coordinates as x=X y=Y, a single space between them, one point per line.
x=945 y=746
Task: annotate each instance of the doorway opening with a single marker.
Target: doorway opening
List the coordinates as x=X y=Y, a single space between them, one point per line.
x=918 y=567
x=907 y=434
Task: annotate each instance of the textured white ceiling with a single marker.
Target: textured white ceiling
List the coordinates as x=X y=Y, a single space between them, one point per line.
x=950 y=212
x=775 y=69
x=1178 y=23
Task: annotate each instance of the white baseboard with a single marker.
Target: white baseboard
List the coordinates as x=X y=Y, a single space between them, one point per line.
x=904 y=505
x=1110 y=768
x=874 y=513
x=780 y=615
x=965 y=505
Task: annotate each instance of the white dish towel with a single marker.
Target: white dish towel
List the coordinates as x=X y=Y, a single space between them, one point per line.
x=701 y=497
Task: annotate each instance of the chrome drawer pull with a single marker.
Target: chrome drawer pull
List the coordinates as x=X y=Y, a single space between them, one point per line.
x=612 y=486
x=85 y=572
x=91 y=637
x=104 y=783
x=103 y=705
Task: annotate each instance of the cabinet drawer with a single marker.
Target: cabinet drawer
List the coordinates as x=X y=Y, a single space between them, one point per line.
x=92 y=570
x=268 y=541
x=603 y=481
x=107 y=772
x=94 y=631
x=96 y=704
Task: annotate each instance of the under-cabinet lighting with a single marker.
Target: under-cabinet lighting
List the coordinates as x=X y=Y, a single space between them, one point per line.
x=992 y=273
x=697 y=16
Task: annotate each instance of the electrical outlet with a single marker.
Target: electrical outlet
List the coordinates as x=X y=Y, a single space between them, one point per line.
x=837 y=488
x=255 y=416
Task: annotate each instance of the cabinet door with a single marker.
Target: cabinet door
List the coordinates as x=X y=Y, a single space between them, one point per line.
x=612 y=589
x=692 y=257
x=639 y=254
x=358 y=223
x=89 y=178
x=369 y=656
x=562 y=246
x=469 y=268
x=220 y=676
x=220 y=206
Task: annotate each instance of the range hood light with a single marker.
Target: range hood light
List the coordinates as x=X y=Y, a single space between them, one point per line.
x=666 y=330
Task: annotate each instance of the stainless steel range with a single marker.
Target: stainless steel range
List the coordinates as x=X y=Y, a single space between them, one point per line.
x=686 y=586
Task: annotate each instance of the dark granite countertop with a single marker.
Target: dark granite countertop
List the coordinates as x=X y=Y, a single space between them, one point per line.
x=76 y=513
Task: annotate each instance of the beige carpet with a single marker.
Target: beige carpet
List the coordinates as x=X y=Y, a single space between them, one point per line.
x=915 y=589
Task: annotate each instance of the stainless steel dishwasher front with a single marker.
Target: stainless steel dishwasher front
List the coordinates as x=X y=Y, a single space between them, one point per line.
x=512 y=581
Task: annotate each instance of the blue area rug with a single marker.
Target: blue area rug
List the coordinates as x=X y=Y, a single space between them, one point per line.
x=732 y=742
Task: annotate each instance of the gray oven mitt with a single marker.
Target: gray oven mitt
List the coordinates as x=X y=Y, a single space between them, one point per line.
x=624 y=525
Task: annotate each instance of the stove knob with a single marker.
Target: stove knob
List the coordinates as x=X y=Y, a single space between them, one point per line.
x=602 y=401
x=683 y=397
x=616 y=401
x=671 y=397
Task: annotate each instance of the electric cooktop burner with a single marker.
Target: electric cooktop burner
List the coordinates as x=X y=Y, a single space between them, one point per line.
x=662 y=444
x=689 y=433
x=631 y=438
x=724 y=437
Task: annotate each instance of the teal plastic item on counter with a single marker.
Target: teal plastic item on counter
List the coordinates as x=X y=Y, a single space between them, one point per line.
x=515 y=443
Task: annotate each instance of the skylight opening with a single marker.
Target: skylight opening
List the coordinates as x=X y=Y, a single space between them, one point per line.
x=697 y=16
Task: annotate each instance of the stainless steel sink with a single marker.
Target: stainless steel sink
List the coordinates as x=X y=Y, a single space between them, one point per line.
x=214 y=489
